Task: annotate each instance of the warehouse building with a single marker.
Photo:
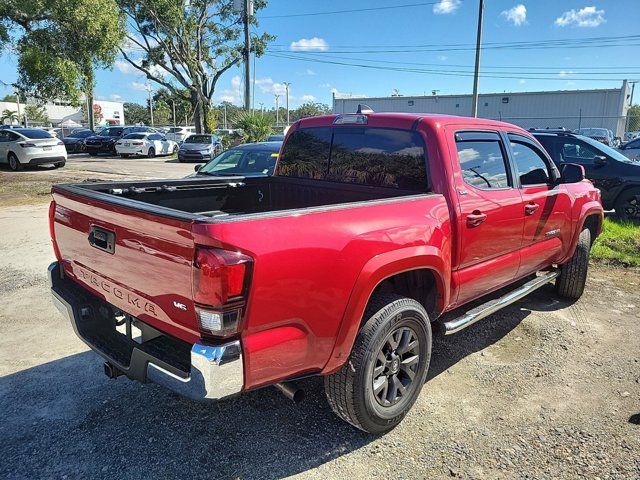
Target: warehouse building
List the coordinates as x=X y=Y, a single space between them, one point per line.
x=571 y=109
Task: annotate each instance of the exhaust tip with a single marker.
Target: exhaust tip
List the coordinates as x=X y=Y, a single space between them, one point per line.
x=291 y=390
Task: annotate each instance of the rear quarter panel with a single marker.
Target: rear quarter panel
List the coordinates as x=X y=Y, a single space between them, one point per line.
x=308 y=266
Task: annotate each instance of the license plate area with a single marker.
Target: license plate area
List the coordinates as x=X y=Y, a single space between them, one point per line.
x=127 y=327
x=46 y=148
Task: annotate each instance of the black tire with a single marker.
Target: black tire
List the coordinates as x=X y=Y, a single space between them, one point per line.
x=351 y=390
x=151 y=153
x=627 y=204
x=175 y=149
x=573 y=274
x=14 y=163
x=59 y=164
x=124 y=155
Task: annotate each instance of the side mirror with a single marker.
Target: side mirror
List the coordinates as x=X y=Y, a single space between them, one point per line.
x=571 y=173
x=197 y=168
x=600 y=160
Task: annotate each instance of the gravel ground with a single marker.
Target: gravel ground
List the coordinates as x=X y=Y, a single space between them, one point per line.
x=542 y=389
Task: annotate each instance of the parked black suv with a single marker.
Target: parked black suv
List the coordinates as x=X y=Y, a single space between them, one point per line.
x=105 y=141
x=617 y=176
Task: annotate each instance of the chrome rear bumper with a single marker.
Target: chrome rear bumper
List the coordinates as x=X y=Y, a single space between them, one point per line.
x=200 y=372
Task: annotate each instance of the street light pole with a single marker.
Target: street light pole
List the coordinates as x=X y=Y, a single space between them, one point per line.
x=277 y=110
x=174 y=112
x=149 y=89
x=261 y=109
x=286 y=84
x=476 y=74
x=247 y=55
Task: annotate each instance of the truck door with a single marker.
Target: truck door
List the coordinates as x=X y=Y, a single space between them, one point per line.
x=490 y=219
x=546 y=206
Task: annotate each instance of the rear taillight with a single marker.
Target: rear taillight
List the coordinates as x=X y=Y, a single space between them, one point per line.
x=220 y=284
x=27 y=145
x=137 y=143
x=52 y=218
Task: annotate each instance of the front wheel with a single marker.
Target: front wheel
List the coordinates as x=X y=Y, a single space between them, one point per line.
x=387 y=367
x=124 y=155
x=59 y=164
x=628 y=204
x=151 y=153
x=573 y=274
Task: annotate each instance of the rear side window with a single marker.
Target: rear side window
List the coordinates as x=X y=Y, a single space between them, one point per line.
x=482 y=160
x=367 y=156
x=378 y=157
x=306 y=154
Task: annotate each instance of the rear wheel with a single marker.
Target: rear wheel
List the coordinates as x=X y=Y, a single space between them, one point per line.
x=175 y=149
x=151 y=153
x=628 y=204
x=124 y=155
x=14 y=163
x=59 y=164
x=387 y=367
x=573 y=274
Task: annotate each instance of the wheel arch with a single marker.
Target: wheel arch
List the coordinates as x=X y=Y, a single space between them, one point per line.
x=409 y=271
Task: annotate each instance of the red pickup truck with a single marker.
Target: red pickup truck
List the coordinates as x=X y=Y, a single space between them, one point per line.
x=373 y=226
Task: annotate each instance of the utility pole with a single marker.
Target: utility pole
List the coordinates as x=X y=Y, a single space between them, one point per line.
x=149 y=89
x=225 y=116
x=253 y=92
x=174 y=112
x=286 y=84
x=248 y=11
x=261 y=109
x=17 y=92
x=476 y=74
x=277 y=109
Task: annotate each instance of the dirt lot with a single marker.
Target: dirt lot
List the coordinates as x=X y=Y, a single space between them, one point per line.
x=542 y=389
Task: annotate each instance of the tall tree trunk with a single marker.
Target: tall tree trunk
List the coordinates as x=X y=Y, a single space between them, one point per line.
x=89 y=108
x=198 y=112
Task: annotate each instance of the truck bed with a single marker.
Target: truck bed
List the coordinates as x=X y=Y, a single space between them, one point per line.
x=207 y=199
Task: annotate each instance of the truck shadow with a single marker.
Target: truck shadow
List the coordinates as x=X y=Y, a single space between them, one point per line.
x=66 y=418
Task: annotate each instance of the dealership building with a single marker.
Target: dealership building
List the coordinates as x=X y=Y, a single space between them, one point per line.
x=105 y=112
x=571 y=109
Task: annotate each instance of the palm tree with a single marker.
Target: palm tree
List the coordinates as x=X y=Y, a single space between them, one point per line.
x=10 y=115
x=255 y=128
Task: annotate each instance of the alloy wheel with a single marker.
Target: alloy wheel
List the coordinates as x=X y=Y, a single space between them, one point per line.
x=395 y=367
x=632 y=208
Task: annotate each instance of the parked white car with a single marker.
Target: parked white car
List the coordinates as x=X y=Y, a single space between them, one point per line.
x=146 y=144
x=178 y=134
x=30 y=146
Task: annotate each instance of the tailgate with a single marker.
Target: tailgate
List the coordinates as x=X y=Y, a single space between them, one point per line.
x=139 y=262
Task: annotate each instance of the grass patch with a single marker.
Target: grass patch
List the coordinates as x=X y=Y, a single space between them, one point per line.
x=618 y=244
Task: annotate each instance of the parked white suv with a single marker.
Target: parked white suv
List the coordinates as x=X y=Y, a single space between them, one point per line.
x=30 y=146
x=178 y=134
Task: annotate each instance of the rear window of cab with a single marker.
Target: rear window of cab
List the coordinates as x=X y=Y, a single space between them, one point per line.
x=379 y=157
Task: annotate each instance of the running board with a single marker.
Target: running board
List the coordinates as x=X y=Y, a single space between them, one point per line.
x=492 y=306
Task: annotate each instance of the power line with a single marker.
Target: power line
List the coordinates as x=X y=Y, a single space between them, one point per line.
x=358 y=10
x=434 y=72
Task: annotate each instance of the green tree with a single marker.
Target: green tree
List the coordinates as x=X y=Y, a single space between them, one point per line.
x=633 y=116
x=10 y=116
x=309 y=109
x=183 y=109
x=255 y=127
x=135 y=113
x=161 y=114
x=59 y=44
x=10 y=98
x=36 y=114
x=187 y=45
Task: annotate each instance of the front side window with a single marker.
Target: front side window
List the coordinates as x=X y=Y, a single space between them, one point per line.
x=482 y=162
x=573 y=151
x=531 y=166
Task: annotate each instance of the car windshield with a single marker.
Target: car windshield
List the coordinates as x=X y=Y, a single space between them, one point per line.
x=616 y=155
x=198 y=139
x=240 y=161
x=135 y=136
x=113 y=132
x=35 y=134
x=591 y=132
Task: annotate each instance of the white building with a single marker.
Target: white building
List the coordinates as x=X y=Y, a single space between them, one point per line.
x=563 y=108
x=105 y=112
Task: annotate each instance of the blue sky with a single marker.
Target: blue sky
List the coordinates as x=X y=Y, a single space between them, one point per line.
x=443 y=32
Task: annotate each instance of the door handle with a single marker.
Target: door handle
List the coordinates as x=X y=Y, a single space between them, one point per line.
x=476 y=218
x=531 y=208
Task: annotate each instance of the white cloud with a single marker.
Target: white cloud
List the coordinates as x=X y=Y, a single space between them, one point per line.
x=138 y=86
x=325 y=85
x=570 y=84
x=564 y=73
x=442 y=58
x=516 y=15
x=232 y=94
x=585 y=17
x=310 y=44
x=115 y=97
x=128 y=69
x=444 y=7
x=307 y=98
x=308 y=72
x=522 y=81
x=267 y=85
